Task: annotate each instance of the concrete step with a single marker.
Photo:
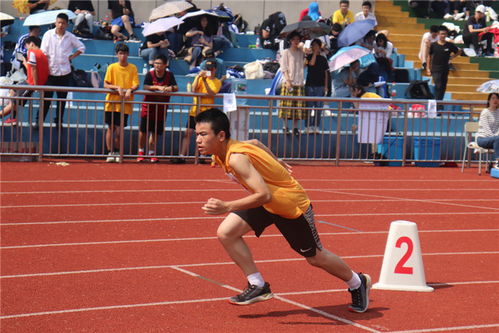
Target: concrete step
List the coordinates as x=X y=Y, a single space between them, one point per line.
x=468 y=80
x=393 y=12
x=452 y=87
x=458 y=60
x=402 y=29
x=468 y=73
x=469 y=96
x=459 y=66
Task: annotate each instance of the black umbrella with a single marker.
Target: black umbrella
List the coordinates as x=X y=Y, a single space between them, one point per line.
x=192 y=20
x=309 y=29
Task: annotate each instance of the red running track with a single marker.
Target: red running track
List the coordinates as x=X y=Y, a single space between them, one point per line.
x=92 y=247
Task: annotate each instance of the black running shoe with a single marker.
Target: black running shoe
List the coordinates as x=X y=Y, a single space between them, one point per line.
x=360 y=296
x=252 y=294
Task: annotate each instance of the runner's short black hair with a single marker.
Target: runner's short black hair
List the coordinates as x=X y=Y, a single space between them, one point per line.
x=443 y=28
x=434 y=28
x=33 y=39
x=121 y=47
x=217 y=119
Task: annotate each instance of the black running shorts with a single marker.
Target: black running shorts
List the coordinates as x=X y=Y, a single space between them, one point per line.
x=300 y=233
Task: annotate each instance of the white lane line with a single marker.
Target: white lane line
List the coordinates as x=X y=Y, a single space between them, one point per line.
x=443 y=329
x=266 y=261
x=232 y=189
x=159 y=240
x=228 y=181
x=282 y=299
x=112 y=307
x=430 y=201
x=220 y=218
x=202 y=202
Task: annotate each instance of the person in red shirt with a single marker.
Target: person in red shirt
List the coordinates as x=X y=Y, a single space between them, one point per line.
x=37 y=67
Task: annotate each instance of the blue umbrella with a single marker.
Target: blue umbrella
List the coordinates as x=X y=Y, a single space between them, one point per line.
x=47 y=17
x=355 y=31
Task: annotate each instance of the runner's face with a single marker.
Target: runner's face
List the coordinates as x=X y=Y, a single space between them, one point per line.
x=206 y=139
x=60 y=25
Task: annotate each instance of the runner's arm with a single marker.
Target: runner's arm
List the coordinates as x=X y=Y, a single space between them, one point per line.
x=260 y=192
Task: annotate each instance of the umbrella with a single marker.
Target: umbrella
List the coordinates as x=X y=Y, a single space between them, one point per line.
x=6 y=19
x=192 y=20
x=347 y=55
x=47 y=17
x=355 y=31
x=491 y=86
x=311 y=29
x=160 y=25
x=168 y=9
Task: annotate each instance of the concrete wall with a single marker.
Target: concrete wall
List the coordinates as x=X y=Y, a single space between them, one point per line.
x=253 y=11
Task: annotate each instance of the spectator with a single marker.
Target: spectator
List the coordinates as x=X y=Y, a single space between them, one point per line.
x=58 y=44
x=37 y=6
x=153 y=116
x=153 y=46
x=201 y=39
x=122 y=77
x=488 y=127
x=292 y=63
x=84 y=21
x=428 y=38
x=122 y=14
x=366 y=13
x=36 y=63
x=316 y=83
x=344 y=80
x=312 y=11
x=205 y=83
x=221 y=70
x=343 y=16
x=383 y=50
x=441 y=52
x=476 y=30
x=333 y=39
x=368 y=40
x=21 y=46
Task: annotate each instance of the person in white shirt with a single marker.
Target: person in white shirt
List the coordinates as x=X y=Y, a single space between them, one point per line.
x=428 y=38
x=366 y=13
x=58 y=45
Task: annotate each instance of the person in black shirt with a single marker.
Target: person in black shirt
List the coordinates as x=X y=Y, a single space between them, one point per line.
x=474 y=27
x=316 y=83
x=37 y=6
x=122 y=14
x=438 y=61
x=154 y=45
x=152 y=117
x=84 y=21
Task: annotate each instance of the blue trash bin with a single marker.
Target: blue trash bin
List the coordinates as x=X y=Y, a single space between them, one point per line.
x=427 y=148
x=393 y=149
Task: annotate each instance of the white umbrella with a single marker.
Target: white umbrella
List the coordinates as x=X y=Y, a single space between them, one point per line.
x=4 y=16
x=169 y=8
x=491 y=86
x=47 y=17
x=198 y=13
x=160 y=25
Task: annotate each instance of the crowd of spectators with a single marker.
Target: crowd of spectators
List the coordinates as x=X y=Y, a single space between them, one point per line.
x=199 y=44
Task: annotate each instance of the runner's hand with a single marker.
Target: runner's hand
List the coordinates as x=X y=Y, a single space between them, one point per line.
x=215 y=207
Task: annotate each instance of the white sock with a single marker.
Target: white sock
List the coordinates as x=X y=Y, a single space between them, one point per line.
x=354 y=282
x=257 y=279
x=151 y=152
x=141 y=150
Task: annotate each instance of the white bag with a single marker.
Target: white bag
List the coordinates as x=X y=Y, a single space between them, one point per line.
x=253 y=70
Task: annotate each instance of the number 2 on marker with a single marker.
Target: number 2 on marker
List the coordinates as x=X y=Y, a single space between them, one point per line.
x=400 y=268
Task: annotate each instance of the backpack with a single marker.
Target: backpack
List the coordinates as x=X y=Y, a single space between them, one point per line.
x=80 y=78
x=277 y=23
x=418 y=90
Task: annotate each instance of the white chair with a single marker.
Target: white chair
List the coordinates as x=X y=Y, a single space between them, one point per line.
x=470 y=128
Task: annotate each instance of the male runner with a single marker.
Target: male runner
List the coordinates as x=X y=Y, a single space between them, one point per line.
x=275 y=197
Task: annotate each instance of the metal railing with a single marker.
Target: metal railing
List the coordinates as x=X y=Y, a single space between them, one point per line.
x=393 y=133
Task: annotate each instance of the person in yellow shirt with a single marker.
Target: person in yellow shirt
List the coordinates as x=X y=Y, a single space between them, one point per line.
x=205 y=83
x=275 y=197
x=124 y=79
x=343 y=16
